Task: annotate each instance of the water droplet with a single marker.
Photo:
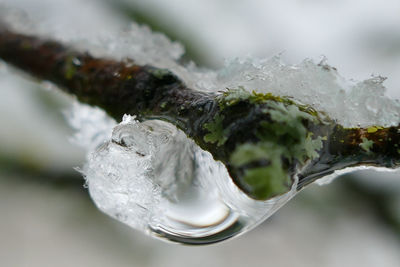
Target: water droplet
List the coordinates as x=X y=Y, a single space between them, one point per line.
x=171 y=188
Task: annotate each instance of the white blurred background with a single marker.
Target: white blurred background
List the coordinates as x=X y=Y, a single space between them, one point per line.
x=47 y=218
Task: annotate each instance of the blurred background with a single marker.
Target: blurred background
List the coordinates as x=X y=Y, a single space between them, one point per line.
x=48 y=219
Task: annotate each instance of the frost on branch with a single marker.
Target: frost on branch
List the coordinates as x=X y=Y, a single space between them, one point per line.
x=350 y=103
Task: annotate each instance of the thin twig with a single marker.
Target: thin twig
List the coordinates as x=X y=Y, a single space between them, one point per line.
x=242 y=130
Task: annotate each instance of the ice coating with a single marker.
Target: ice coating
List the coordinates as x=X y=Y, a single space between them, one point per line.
x=329 y=178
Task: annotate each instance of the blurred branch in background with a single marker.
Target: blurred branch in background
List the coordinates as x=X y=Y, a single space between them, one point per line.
x=131 y=11
x=385 y=204
x=27 y=169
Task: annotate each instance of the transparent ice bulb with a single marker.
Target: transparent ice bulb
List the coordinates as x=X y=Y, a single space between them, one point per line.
x=155 y=179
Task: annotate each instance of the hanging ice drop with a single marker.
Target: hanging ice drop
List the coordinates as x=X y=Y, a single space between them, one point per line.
x=155 y=179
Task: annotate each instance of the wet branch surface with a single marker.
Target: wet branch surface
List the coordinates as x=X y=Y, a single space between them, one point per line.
x=225 y=126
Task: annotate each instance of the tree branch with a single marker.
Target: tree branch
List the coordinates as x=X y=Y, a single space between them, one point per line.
x=262 y=139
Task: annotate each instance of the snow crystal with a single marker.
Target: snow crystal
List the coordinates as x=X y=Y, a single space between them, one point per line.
x=319 y=85
x=93 y=126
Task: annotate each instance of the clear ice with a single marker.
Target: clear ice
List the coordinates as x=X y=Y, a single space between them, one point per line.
x=148 y=174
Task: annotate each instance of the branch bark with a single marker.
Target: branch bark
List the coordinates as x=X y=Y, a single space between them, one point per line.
x=262 y=139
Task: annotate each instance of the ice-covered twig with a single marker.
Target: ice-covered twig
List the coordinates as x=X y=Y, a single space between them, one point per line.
x=265 y=141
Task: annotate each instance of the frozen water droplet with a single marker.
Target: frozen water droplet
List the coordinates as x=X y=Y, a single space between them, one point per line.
x=153 y=178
